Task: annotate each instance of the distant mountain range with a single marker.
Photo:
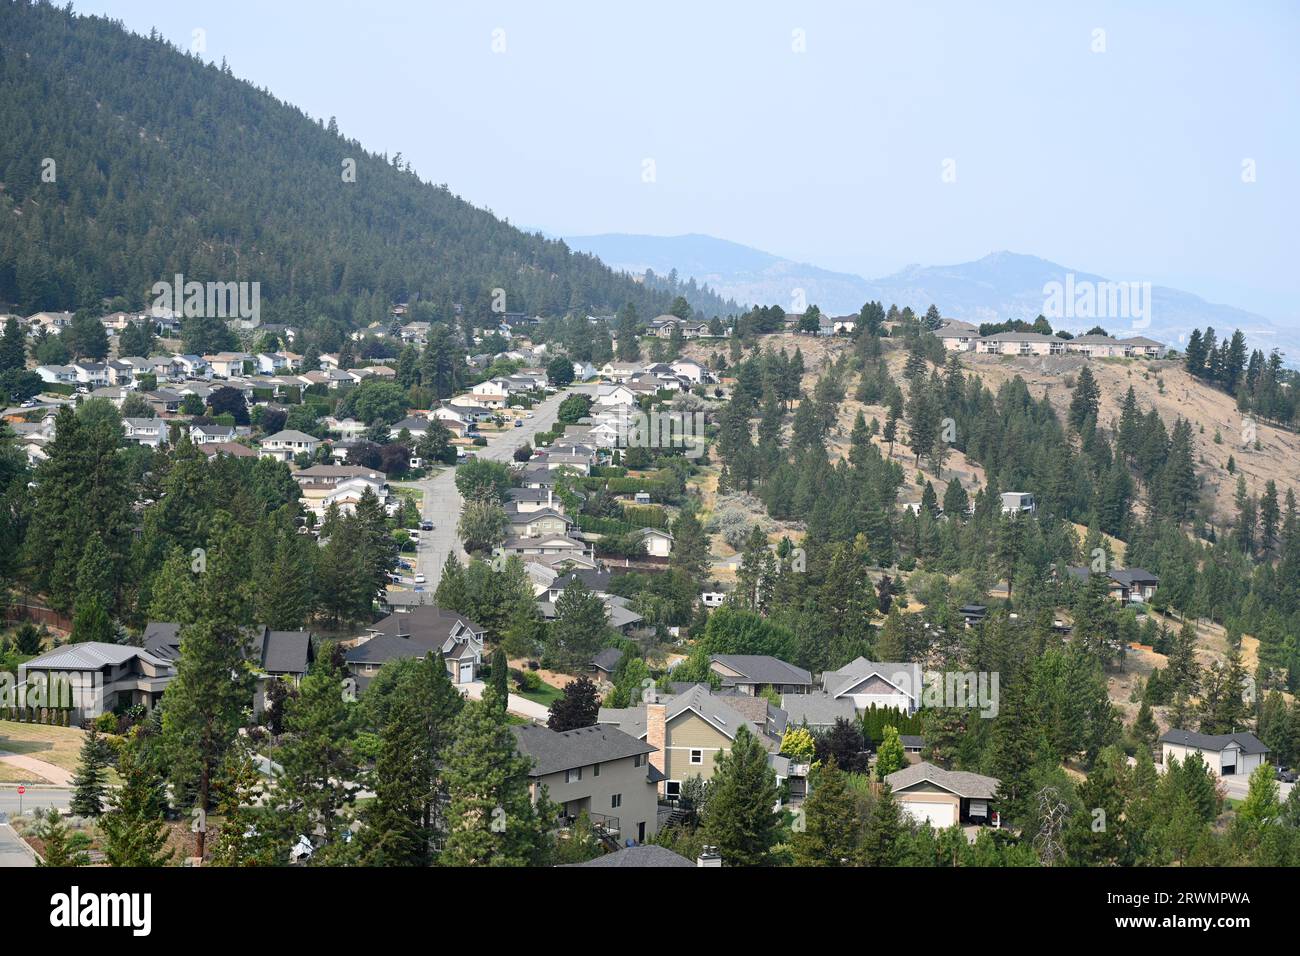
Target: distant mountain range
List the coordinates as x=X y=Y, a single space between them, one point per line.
x=1000 y=286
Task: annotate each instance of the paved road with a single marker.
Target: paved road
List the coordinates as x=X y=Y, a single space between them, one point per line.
x=442 y=502
x=1238 y=785
x=35 y=797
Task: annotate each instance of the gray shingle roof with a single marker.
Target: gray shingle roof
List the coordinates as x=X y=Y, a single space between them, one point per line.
x=637 y=856
x=552 y=752
x=608 y=659
x=816 y=710
x=762 y=669
x=1248 y=742
x=960 y=782
x=905 y=676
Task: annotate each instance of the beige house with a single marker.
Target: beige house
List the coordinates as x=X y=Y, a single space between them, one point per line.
x=91 y=678
x=1020 y=343
x=599 y=770
x=943 y=798
x=288 y=444
x=957 y=336
x=1227 y=755
x=690 y=730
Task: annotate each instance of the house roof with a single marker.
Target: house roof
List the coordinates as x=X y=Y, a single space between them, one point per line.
x=960 y=782
x=1248 y=742
x=552 y=752
x=647 y=855
x=91 y=655
x=426 y=624
x=608 y=659
x=905 y=676
x=286 y=652
x=912 y=741
x=816 y=709
x=290 y=435
x=762 y=669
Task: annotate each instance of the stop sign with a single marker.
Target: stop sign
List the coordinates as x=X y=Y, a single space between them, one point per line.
x=21 y=790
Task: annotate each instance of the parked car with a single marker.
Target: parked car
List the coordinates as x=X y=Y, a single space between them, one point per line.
x=1286 y=776
x=426 y=525
x=419 y=579
x=519 y=423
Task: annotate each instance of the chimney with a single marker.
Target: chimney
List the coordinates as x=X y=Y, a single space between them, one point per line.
x=655 y=718
x=548 y=497
x=709 y=856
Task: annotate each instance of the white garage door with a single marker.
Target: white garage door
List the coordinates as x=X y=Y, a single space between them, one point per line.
x=938 y=815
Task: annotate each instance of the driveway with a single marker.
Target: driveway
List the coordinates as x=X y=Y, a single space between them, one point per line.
x=519 y=706
x=1237 y=786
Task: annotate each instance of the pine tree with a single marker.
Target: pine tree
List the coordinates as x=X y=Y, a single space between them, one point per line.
x=133 y=827
x=741 y=821
x=491 y=820
x=59 y=846
x=1096 y=832
x=317 y=762
x=883 y=840
x=832 y=823
x=91 y=781
x=501 y=675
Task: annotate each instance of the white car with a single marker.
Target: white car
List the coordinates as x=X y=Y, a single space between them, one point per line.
x=419 y=579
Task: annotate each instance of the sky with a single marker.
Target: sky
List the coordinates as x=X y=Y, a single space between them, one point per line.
x=1151 y=141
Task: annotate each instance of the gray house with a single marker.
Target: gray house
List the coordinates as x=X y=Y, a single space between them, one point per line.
x=600 y=770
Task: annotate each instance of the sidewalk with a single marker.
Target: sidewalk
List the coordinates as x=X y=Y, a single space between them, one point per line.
x=46 y=772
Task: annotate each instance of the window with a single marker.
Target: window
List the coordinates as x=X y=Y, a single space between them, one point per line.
x=616 y=801
x=595 y=771
x=572 y=775
x=673 y=788
x=638 y=760
x=697 y=756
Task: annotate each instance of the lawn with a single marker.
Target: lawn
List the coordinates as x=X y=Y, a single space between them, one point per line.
x=545 y=696
x=10 y=774
x=60 y=746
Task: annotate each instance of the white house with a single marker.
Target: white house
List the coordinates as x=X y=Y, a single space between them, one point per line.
x=228 y=364
x=658 y=543
x=1018 y=502
x=145 y=431
x=1227 y=755
x=286 y=445
x=866 y=683
x=493 y=392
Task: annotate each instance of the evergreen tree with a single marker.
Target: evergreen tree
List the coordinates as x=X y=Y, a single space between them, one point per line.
x=832 y=822
x=576 y=707
x=883 y=840
x=59 y=847
x=491 y=819
x=741 y=821
x=133 y=827
x=91 y=780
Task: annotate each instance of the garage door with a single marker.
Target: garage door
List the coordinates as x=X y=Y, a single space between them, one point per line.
x=466 y=673
x=938 y=815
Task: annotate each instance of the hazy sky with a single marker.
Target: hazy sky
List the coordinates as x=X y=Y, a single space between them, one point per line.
x=1126 y=161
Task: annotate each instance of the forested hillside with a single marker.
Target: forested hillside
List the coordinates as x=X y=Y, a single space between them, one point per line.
x=164 y=164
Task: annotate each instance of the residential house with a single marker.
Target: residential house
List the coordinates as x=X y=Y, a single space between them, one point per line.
x=818 y=712
x=957 y=336
x=288 y=444
x=94 y=677
x=943 y=798
x=752 y=673
x=1126 y=584
x=689 y=730
x=1018 y=502
x=1020 y=343
x=841 y=325
x=229 y=364
x=1227 y=755
x=57 y=374
x=211 y=434
x=600 y=771
x=413 y=634
x=658 y=542
x=145 y=431
x=604 y=664
x=642 y=857
x=881 y=685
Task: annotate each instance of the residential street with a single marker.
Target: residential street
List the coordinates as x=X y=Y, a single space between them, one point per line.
x=60 y=797
x=442 y=501
x=13 y=851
